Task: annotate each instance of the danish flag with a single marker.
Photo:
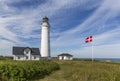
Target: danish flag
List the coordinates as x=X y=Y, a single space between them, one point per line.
x=88 y=39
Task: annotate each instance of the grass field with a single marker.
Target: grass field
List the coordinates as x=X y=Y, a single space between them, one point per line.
x=85 y=71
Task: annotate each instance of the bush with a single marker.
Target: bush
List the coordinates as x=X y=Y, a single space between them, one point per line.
x=26 y=70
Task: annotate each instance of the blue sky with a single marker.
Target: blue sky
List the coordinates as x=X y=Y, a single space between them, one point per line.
x=71 y=22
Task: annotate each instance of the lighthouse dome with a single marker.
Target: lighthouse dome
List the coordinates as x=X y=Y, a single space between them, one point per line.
x=45 y=22
x=45 y=19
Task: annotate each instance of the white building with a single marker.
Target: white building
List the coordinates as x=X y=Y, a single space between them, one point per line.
x=26 y=53
x=65 y=56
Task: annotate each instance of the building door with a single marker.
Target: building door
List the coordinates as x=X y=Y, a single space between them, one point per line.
x=62 y=57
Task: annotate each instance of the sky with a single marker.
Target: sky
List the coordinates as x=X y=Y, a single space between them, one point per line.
x=71 y=22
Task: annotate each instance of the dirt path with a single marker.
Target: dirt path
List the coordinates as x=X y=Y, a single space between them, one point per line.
x=55 y=76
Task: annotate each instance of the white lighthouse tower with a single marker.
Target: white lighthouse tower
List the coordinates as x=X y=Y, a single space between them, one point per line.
x=45 y=39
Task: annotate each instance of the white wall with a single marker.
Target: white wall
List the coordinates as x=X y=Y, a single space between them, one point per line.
x=16 y=57
x=37 y=57
x=65 y=58
x=23 y=57
x=60 y=57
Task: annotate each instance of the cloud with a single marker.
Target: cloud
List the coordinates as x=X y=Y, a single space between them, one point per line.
x=23 y=23
x=20 y=25
x=109 y=37
x=5 y=33
x=5 y=47
x=107 y=10
x=97 y=23
x=103 y=51
x=17 y=24
x=102 y=24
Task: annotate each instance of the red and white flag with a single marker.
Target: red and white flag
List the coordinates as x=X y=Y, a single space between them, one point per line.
x=88 y=39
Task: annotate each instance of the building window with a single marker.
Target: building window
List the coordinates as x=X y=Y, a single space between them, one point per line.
x=27 y=51
x=18 y=57
x=34 y=57
x=26 y=57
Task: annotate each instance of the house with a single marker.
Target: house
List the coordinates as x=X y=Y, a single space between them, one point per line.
x=65 y=56
x=26 y=53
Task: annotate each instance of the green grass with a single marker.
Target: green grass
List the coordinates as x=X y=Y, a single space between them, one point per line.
x=85 y=71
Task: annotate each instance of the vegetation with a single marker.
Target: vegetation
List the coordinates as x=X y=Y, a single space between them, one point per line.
x=6 y=58
x=80 y=70
x=25 y=70
x=75 y=70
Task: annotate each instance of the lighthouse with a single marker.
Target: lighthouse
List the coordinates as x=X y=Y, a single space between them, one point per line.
x=45 y=39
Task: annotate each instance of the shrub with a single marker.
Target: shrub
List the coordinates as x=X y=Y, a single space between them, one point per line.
x=26 y=70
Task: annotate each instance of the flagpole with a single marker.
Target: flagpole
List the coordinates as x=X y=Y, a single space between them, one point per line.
x=92 y=52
